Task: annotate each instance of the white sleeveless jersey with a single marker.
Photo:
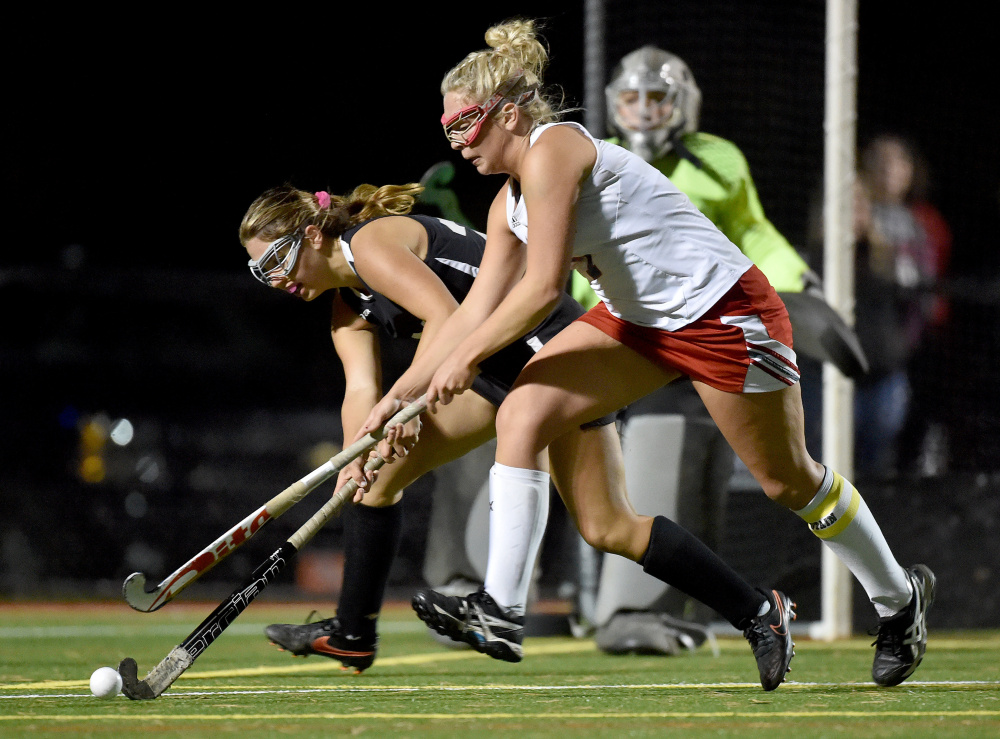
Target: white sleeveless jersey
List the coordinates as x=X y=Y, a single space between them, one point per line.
x=650 y=255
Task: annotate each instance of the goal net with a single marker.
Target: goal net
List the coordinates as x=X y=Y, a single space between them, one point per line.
x=778 y=79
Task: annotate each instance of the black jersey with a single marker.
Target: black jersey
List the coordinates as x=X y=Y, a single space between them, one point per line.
x=454 y=253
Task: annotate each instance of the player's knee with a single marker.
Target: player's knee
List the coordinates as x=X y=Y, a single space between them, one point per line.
x=382 y=495
x=778 y=491
x=790 y=492
x=518 y=418
x=606 y=537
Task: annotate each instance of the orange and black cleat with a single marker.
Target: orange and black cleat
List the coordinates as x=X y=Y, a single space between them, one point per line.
x=770 y=638
x=326 y=638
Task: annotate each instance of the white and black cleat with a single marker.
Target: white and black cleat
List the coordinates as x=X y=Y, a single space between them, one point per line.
x=476 y=620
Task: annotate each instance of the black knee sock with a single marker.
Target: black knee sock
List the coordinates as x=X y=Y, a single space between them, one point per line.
x=371 y=540
x=677 y=558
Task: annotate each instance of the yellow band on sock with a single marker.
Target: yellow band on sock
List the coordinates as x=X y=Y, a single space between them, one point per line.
x=825 y=508
x=829 y=526
x=843 y=521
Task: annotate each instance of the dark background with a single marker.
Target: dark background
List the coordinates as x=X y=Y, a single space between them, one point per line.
x=133 y=145
x=145 y=142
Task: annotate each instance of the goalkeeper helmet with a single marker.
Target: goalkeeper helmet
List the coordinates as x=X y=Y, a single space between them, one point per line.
x=652 y=99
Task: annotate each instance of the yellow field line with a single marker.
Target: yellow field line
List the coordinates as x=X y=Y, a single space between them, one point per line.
x=356 y=687
x=565 y=647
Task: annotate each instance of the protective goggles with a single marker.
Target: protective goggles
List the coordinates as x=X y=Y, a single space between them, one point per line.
x=278 y=260
x=463 y=127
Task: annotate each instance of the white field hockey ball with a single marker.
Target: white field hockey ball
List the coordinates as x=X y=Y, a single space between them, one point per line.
x=105 y=682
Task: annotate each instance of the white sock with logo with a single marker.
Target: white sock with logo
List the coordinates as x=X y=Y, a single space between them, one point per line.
x=519 y=510
x=840 y=517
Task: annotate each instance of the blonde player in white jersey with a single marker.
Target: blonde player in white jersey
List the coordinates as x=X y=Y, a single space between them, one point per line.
x=677 y=298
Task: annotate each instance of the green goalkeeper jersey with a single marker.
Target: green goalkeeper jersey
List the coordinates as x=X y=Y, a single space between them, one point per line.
x=724 y=191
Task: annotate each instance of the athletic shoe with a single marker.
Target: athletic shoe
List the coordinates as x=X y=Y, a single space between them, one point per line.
x=326 y=638
x=476 y=620
x=902 y=639
x=771 y=640
x=457 y=586
x=649 y=632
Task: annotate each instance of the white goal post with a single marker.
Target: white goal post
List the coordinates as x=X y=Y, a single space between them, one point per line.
x=840 y=125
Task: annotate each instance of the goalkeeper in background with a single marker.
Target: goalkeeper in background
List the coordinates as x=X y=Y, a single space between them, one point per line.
x=653 y=106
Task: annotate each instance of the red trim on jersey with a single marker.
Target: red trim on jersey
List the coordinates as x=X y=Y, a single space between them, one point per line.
x=707 y=349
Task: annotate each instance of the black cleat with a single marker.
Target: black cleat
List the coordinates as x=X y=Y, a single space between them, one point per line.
x=326 y=638
x=902 y=639
x=476 y=620
x=771 y=640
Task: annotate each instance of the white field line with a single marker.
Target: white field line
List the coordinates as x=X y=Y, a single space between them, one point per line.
x=180 y=693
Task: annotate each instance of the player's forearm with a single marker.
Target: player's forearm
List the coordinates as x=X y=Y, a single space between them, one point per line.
x=357 y=404
x=527 y=304
x=414 y=381
x=431 y=330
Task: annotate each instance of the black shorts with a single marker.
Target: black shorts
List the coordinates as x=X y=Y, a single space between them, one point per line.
x=498 y=372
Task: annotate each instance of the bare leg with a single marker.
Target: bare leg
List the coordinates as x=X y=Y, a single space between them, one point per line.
x=587 y=465
x=455 y=429
x=678 y=465
x=767 y=431
x=546 y=407
x=577 y=377
x=371 y=537
x=372 y=530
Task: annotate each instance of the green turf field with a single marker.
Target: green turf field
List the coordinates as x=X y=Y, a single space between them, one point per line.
x=243 y=685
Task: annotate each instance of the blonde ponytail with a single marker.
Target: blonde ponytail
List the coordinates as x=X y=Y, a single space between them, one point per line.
x=367 y=201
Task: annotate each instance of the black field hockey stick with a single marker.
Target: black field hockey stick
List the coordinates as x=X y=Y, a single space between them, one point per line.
x=135 y=591
x=183 y=655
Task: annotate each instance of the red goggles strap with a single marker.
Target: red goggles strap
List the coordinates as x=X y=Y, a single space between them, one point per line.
x=483 y=110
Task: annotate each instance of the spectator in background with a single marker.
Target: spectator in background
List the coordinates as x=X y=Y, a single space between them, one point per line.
x=898 y=178
x=903 y=246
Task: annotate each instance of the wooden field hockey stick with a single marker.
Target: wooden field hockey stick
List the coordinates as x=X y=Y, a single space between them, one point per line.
x=184 y=654
x=141 y=599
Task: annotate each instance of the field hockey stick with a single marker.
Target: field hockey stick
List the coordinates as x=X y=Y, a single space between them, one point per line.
x=183 y=655
x=134 y=589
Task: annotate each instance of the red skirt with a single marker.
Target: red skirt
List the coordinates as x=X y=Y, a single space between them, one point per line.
x=743 y=344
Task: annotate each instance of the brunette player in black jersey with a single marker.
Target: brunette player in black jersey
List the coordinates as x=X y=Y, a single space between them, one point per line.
x=399 y=277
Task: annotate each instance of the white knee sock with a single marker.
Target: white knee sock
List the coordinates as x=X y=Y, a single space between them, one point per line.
x=840 y=517
x=519 y=510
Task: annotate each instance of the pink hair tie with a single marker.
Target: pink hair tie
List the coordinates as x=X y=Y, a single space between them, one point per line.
x=323 y=198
